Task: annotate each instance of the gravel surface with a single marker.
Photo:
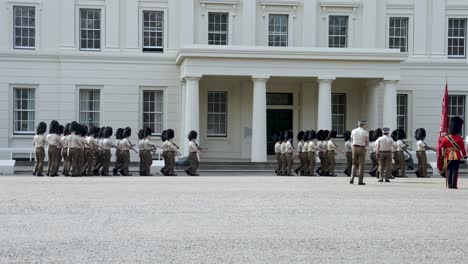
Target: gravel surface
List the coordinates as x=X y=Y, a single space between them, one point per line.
x=231 y=220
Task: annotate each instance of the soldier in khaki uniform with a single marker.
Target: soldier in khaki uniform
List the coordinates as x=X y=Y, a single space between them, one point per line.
x=92 y=150
x=311 y=150
x=284 y=161
x=300 y=145
x=39 y=141
x=289 y=153
x=305 y=154
x=194 y=149
x=64 y=142
x=125 y=147
x=53 y=141
x=332 y=148
x=118 y=157
x=107 y=145
x=59 y=149
x=360 y=140
x=171 y=152
x=73 y=151
x=421 y=148
x=279 y=139
x=384 y=150
x=349 y=152
x=141 y=135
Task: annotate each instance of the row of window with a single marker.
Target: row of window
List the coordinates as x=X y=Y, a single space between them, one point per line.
x=153 y=100
x=90 y=110
x=218 y=31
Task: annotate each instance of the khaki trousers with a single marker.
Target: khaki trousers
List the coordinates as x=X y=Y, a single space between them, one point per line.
x=193 y=163
x=66 y=161
x=106 y=162
x=396 y=162
x=58 y=160
x=52 y=153
x=385 y=160
x=91 y=161
x=284 y=161
x=125 y=159
x=349 y=162
x=73 y=156
x=305 y=159
x=375 y=163
x=289 y=162
x=99 y=160
x=171 y=162
x=301 y=162
x=142 y=162
x=148 y=158
x=331 y=162
x=325 y=164
x=311 y=157
x=118 y=160
x=402 y=161
x=422 y=163
x=39 y=164
x=279 y=163
x=359 y=159
x=166 y=161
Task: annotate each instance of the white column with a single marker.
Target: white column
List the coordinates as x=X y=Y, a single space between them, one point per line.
x=112 y=24
x=67 y=24
x=324 y=118
x=389 y=104
x=438 y=28
x=259 y=142
x=192 y=105
x=420 y=27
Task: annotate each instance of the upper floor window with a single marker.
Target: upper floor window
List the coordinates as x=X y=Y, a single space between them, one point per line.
x=456 y=38
x=278 y=30
x=398 y=33
x=338 y=32
x=153 y=110
x=24 y=22
x=90 y=105
x=217 y=114
x=153 y=31
x=23 y=110
x=218 y=28
x=90 y=29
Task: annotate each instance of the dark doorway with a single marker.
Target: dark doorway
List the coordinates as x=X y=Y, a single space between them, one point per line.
x=277 y=120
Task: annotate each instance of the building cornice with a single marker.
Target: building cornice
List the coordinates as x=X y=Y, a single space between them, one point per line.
x=240 y=52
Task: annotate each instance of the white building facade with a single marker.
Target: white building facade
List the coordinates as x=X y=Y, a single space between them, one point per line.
x=235 y=70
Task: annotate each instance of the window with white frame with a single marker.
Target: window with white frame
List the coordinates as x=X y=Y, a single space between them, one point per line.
x=457 y=106
x=278 y=30
x=24 y=26
x=153 y=110
x=398 y=33
x=90 y=29
x=153 y=31
x=339 y=113
x=338 y=31
x=218 y=28
x=24 y=110
x=457 y=38
x=402 y=112
x=90 y=106
x=217 y=114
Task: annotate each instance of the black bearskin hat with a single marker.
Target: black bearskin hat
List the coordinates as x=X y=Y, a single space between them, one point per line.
x=332 y=134
x=75 y=127
x=320 y=135
x=60 y=129
x=141 y=134
x=163 y=135
x=371 y=135
x=53 y=127
x=306 y=135
x=455 y=125
x=108 y=132
x=170 y=134
x=282 y=136
x=300 y=135
x=118 y=133
x=289 y=135
x=312 y=135
x=420 y=134
x=148 y=132
x=400 y=134
x=127 y=132
x=325 y=134
x=84 y=130
x=192 y=135
x=347 y=135
x=41 y=128
x=378 y=133
x=93 y=131
x=66 y=131
x=394 y=135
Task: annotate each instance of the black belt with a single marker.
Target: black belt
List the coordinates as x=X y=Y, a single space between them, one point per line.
x=359 y=146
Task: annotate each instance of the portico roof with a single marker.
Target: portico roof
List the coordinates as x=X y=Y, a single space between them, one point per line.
x=290 y=61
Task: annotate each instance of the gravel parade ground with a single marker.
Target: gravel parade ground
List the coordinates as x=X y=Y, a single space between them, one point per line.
x=231 y=220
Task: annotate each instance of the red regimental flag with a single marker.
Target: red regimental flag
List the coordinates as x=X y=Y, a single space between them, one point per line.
x=443 y=129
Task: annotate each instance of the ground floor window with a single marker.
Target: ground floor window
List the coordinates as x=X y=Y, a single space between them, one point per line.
x=402 y=112
x=90 y=106
x=153 y=110
x=217 y=114
x=24 y=110
x=338 y=113
x=457 y=106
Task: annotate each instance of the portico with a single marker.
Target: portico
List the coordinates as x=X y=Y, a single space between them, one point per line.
x=312 y=76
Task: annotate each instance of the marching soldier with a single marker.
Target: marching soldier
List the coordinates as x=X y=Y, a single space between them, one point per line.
x=360 y=140
x=289 y=153
x=53 y=140
x=349 y=152
x=73 y=148
x=305 y=156
x=300 y=145
x=39 y=142
x=332 y=148
x=279 y=139
x=321 y=152
x=311 y=149
x=147 y=149
x=125 y=147
x=373 y=152
x=194 y=149
x=118 y=158
x=171 y=151
x=64 y=143
x=401 y=148
x=92 y=150
x=107 y=145
x=421 y=149
x=284 y=161
x=164 y=153
x=384 y=153
x=141 y=135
